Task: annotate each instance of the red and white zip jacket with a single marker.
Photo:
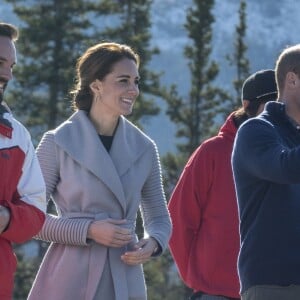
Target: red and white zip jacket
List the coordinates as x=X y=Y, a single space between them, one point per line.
x=22 y=191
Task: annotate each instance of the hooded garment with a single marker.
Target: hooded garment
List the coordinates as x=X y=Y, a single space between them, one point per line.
x=203 y=208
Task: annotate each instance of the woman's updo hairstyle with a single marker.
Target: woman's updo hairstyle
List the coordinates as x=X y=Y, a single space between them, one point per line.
x=96 y=63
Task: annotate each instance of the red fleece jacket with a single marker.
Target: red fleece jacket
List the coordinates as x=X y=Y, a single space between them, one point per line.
x=203 y=207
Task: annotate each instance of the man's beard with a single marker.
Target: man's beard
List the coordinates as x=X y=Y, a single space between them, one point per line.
x=3 y=85
x=1 y=95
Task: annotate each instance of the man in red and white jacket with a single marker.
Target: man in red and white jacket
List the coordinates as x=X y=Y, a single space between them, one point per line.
x=22 y=188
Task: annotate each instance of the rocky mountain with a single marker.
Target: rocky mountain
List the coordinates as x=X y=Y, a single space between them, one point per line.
x=271 y=26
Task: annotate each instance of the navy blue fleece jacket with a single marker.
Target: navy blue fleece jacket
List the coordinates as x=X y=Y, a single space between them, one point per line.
x=266 y=168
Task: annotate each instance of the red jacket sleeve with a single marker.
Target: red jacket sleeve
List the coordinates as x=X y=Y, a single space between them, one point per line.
x=22 y=189
x=186 y=207
x=25 y=221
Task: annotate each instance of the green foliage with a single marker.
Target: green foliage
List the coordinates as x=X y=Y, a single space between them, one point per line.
x=25 y=274
x=163 y=283
x=47 y=48
x=239 y=59
x=195 y=115
x=54 y=35
x=173 y=167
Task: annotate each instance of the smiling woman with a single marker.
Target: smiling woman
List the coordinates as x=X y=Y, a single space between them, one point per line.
x=98 y=185
x=114 y=95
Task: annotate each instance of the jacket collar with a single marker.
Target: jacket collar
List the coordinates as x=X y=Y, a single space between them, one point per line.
x=5 y=126
x=79 y=138
x=228 y=129
x=276 y=111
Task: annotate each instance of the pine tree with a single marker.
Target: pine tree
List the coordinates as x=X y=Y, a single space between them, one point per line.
x=133 y=28
x=195 y=116
x=25 y=274
x=52 y=36
x=239 y=59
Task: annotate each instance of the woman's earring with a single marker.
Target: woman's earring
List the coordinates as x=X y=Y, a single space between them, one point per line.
x=97 y=98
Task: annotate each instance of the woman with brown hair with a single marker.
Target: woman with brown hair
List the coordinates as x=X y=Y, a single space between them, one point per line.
x=99 y=169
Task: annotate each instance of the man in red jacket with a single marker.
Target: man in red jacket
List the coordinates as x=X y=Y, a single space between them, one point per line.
x=205 y=240
x=22 y=188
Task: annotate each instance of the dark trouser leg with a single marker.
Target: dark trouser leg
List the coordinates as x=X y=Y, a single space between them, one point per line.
x=272 y=292
x=209 y=297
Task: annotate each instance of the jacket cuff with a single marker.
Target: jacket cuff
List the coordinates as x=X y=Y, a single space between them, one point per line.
x=65 y=231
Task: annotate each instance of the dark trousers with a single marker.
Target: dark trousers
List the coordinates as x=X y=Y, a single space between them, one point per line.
x=272 y=292
x=203 y=296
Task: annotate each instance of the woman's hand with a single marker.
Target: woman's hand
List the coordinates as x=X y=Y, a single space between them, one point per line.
x=142 y=251
x=109 y=233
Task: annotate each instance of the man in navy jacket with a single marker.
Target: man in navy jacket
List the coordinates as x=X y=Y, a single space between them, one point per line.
x=266 y=167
